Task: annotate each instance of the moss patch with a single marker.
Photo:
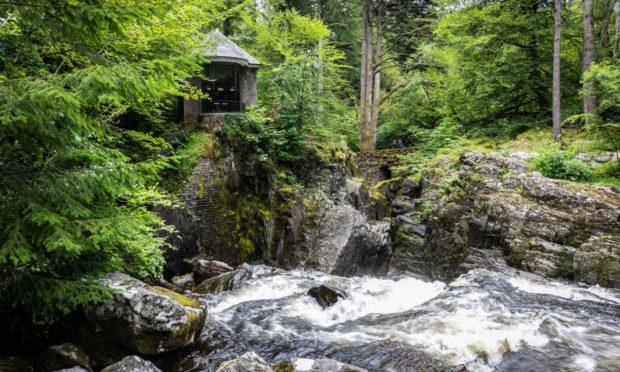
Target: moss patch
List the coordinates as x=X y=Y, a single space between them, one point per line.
x=283 y=366
x=183 y=300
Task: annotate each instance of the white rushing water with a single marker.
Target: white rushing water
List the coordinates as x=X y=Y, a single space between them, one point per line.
x=484 y=320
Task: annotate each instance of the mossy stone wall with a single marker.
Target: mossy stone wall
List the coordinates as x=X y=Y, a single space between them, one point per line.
x=203 y=196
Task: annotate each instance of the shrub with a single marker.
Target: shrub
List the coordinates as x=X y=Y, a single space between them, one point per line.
x=605 y=126
x=265 y=138
x=188 y=148
x=562 y=165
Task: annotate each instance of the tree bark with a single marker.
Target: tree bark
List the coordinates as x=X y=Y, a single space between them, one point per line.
x=376 y=97
x=589 y=99
x=556 y=105
x=536 y=75
x=616 y=31
x=367 y=134
x=363 y=77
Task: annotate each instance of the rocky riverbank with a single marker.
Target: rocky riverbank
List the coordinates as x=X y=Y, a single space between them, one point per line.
x=557 y=229
x=485 y=211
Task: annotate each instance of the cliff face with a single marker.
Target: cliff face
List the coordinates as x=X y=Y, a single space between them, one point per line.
x=311 y=214
x=316 y=215
x=553 y=228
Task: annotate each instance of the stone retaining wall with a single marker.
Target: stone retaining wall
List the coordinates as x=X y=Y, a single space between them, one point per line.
x=203 y=196
x=377 y=165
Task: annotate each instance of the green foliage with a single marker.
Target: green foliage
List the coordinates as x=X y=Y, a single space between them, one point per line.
x=487 y=71
x=249 y=212
x=562 y=165
x=77 y=178
x=301 y=84
x=265 y=138
x=606 y=125
x=188 y=148
x=142 y=145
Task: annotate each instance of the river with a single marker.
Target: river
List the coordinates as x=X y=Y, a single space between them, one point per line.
x=483 y=321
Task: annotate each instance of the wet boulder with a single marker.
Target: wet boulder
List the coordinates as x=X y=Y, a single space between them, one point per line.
x=326 y=295
x=339 y=239
x=408 y=239
x=132 y=363
x=543 y=258
x=223 y=282
x=146 y=319
x=184 y=281
x=249 y=361
x=169 y=285
x=598 y=261
x=64 y=356
x=205 y=269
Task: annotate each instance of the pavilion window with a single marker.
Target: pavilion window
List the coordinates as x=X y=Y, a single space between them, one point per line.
x=222 y=86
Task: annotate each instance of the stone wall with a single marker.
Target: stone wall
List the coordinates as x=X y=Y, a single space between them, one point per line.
x=203 y=196
x=192 y=107
x=249 y=95
x=377 y=165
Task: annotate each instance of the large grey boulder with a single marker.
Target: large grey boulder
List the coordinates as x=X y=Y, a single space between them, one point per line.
x=64 y=356
x=544 y=258
x=205 y=269
x=326 y=295
x=338 y=237
x=132 y=363
x=248 y=362
x=545 y=226
x=408 y=239
x=146 y=319
x=598 y=261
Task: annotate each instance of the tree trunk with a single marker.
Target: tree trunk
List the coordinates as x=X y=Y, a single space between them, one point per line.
x=536 y=75
x=319 y=86
x=589 y=99
x=367 y=134
x=556 y=114
x=363 y=77
x=376 y=97
x=616 y=31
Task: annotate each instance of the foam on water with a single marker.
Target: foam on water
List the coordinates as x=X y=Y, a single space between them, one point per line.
x=303 y=364
x=366 y=296
x=594 y=293
x=476 y=320
x=264 y=288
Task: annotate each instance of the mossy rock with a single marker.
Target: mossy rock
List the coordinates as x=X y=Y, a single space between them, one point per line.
x=598 y=261
x=283 y=366
x=146 y=319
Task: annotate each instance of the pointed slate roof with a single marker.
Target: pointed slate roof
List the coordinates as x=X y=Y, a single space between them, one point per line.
x=224 y=50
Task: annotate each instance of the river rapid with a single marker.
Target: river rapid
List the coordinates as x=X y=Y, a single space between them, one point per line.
x=483 y=321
